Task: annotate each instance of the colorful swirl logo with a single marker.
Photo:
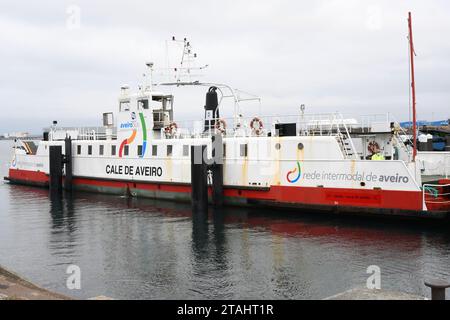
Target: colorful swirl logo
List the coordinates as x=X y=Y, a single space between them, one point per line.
x=144 y=134
x=297 y=170
x=133 y=136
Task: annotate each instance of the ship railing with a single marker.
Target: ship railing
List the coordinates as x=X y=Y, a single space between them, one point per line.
x=367 y=121
x=97 y=135
x=25 y=138
x=372 y=122
x=83 y=133
x=385 y=122
x=308 y=124
x=330 y=124
x=432 y=195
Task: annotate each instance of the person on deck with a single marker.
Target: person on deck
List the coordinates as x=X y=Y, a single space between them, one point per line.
x=376 y=151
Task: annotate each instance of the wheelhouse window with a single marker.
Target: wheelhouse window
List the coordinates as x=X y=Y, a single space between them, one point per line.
x=101 y=150
x=154 y=151
x=124 y=106
x=143 y=104
x=162 y=102
x=169 y=150
x=90 y=150
x=113 y=150
x=78 y=149
x=139 y=150
x=126 y=150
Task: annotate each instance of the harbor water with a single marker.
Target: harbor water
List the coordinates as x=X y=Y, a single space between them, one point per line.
x=146 y=249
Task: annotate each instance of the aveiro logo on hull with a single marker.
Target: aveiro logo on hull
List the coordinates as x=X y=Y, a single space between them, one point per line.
x=294 y=175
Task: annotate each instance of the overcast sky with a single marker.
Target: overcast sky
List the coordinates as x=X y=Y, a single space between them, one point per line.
x=342 y=55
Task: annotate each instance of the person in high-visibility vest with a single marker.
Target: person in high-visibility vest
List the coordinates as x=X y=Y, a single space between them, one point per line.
x=376 y=152
x=378 y=156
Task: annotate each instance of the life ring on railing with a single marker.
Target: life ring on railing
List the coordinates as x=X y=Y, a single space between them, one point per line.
x=257 y=125
x=171 y=129
x=220 y=125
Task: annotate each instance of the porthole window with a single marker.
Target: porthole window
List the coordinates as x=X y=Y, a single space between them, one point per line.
x=126 y=150
x=90 y=150
x=277 y=146
x=300 y=146
x=78 y=149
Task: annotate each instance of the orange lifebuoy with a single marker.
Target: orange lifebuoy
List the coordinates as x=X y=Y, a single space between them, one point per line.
x=257 y=125
x=220 y=125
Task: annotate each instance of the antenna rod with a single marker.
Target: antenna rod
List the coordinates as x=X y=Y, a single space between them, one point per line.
x=413 y=86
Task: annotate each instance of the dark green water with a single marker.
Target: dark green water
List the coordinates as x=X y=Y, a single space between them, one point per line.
x=144 y=249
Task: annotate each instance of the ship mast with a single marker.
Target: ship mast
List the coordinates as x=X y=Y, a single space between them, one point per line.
x=413 y=86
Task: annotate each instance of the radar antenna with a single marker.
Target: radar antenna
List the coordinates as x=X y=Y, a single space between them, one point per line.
x=184 y=69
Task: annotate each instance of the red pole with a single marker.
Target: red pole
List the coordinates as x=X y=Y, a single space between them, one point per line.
x=413 y=86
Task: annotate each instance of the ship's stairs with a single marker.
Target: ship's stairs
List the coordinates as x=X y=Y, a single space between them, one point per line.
x=346 y=146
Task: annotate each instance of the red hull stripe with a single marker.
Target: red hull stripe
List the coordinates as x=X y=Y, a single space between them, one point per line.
x=24 y=176
x=386 y=199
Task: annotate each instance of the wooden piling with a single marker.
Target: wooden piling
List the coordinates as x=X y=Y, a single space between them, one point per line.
x=199 y=184
x=68 y=164
x=217 y=170
x=56 y=163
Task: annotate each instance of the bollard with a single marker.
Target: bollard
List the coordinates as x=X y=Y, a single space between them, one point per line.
x=437 y=288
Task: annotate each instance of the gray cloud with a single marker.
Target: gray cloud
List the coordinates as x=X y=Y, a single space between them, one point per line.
x=341 y=55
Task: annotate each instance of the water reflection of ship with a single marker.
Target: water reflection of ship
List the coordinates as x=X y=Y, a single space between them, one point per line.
x=312 y=226
x=127 y=236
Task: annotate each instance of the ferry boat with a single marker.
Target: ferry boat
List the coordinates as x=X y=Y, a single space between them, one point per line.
x=324 y=162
